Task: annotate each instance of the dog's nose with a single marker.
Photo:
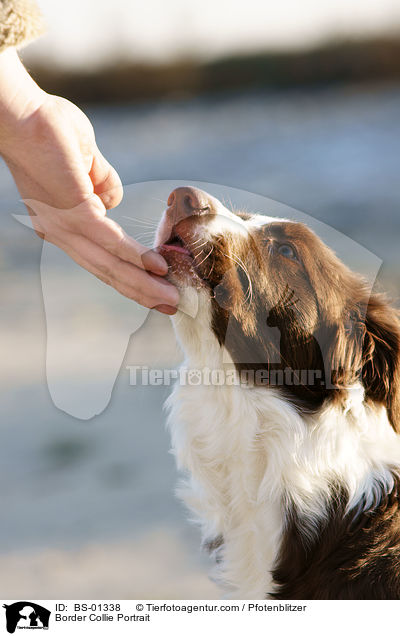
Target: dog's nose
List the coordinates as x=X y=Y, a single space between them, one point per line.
x=186 y=201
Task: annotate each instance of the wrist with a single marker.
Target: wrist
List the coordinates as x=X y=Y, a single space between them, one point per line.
x=20 y=96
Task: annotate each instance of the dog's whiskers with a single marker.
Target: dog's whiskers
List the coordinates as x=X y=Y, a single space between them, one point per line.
x=137 y=221
x=205 y=258
x=161 y=200
x=238 y=261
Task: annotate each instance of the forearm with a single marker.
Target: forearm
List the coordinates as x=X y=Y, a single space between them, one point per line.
x=20 y=96
x=20 y=22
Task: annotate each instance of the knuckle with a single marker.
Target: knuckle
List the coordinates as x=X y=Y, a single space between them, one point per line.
x=51 y=237
x=86 y=216
x=139 y=298
x=106 y=271
x=83 y=217
x=105 y=279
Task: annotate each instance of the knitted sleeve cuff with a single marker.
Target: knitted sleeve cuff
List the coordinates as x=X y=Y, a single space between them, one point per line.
x=20 y=23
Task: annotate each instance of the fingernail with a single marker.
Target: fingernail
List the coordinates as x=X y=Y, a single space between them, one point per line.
x=154 y=262
x=166 y=309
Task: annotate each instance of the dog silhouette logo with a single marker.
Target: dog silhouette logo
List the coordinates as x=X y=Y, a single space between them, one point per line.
x=26 y=615
x=84 y=355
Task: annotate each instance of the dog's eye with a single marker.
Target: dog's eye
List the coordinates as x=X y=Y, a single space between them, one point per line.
x=287 y=250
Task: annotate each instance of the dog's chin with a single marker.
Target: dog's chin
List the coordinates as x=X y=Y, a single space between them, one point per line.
x=183 y=275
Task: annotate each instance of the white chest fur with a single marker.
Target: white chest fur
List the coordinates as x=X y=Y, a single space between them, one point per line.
x=217 y=439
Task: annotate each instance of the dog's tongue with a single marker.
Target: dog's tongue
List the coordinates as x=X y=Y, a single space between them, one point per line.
x=176 y=248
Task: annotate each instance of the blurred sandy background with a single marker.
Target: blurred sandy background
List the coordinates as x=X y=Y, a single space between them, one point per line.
x=88 y=509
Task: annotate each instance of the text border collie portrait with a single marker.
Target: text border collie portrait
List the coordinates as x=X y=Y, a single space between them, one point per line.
x=294 y=474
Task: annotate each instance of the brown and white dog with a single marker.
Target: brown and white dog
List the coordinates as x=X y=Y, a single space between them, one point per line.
x=294 y=472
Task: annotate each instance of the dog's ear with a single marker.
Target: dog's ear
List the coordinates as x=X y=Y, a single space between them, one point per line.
x=381 y=357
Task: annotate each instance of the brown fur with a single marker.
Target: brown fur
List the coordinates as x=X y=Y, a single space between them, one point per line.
x=354 y=556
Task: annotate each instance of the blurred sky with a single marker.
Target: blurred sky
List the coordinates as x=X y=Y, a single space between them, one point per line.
x=89 y=33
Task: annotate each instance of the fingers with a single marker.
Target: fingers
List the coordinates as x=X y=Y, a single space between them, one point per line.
x=108 y=187
x=102 y=247
x=109 y=235
x=133 y=282
x=154 y=262
x=89 y=219
x=106 y=182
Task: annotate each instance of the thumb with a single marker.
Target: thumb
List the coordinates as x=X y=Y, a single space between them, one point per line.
x=106 y=182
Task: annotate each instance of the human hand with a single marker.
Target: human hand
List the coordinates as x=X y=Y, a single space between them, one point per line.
x=50 y=149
